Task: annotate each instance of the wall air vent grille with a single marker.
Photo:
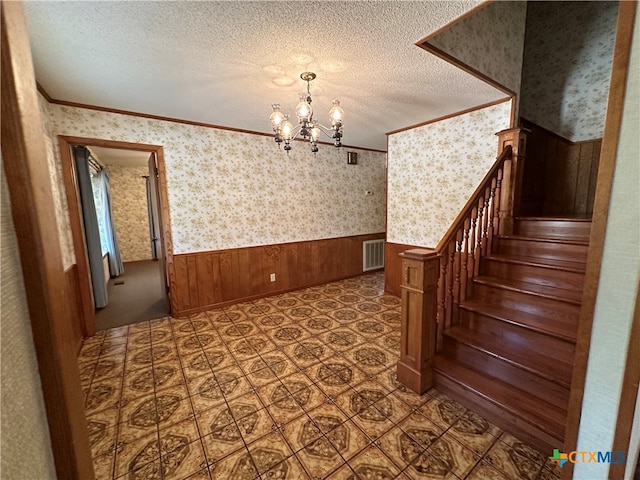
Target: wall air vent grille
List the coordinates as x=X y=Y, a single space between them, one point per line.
x=372 y=255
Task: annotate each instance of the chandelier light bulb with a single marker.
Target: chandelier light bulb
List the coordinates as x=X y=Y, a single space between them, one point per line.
x=286 y=129
x=336 y=114
x=315 y=133
x=303 y=109
x=277 y=117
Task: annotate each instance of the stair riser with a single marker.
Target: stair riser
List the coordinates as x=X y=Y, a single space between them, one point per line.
x=534 y=274
x=553 y=347
x=525 y=380
x=542 y=250
x=532 y=434
x=545 y=307
x=553 y=229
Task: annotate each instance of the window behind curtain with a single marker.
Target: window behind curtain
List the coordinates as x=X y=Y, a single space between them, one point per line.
x=96 y=185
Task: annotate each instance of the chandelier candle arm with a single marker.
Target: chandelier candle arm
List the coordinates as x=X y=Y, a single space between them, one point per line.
x=307 y=127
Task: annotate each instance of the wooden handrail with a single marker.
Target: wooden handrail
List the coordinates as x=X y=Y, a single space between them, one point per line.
x=470 y=237
x=473 y=199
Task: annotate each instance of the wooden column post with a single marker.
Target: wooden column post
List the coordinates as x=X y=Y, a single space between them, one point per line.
x=420 y=270
x=512 y=176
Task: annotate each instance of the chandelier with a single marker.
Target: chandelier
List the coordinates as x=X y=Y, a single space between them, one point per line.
x=307 y=127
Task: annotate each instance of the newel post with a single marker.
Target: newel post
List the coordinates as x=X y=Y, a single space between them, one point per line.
x=512 y=176
x=420 y=271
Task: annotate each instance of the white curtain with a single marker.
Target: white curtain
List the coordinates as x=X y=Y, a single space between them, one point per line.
x=105 y=218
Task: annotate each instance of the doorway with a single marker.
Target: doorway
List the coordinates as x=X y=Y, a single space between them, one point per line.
x=140 y=217
x=138 y=294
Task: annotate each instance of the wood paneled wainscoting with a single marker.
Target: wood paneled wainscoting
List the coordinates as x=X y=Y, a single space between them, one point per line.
x=393 y=266
x=559 y=175
x=204 y=280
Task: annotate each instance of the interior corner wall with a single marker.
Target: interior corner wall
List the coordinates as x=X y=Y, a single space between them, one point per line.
x=566 y=70
x=25 y=441
x=231 y=189
x=57 y=186
x=617 y=287
x=491 y=40
x=434 y=169
x=130 y=212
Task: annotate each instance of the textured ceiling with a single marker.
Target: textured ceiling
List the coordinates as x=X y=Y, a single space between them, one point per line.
x=119 y=157
x=224 y=63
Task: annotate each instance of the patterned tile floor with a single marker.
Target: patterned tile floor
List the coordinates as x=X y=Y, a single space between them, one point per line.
x=296 y=386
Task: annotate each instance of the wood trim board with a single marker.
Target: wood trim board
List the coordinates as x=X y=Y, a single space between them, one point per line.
x=98 y=108
x=470 y=70
x=66 y=144
x=456 y=114
x=627 y=406
x=50 y=310
x=455 y=21
x=613 y=121
x=87 y=309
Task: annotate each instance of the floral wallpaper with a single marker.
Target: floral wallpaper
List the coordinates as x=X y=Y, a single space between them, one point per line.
x=130 y=211
x=567 y=66
x=491 y=40
x=434 y=169
x=57 y=185
x=229 y=189
x=25 y=430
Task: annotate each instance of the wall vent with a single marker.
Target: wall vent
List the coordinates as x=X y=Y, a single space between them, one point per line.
x=372 y=255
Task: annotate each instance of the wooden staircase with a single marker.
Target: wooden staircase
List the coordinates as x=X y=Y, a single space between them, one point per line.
x=508 y=351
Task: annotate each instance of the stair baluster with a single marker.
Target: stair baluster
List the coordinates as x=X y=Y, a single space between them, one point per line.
x=486 y=221
x=451 y=281
x=472 y=247
x=457 y=247
x=464 y=274
x=468 y=239
x=496 y=199
x=479 y=236
x=491 y=213
x=441 y=307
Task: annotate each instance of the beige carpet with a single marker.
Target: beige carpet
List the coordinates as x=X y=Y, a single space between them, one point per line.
x=134 y=297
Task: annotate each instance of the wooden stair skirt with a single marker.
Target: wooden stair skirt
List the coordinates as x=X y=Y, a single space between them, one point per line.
x=510 y=355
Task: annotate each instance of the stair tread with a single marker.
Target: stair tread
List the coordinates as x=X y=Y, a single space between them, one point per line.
x=531 y=360
x=554 y=327
x=559 y=218
x=555 y=293
x=533 y=410
x=551 y=263
x=575 y=230
x=564 y=240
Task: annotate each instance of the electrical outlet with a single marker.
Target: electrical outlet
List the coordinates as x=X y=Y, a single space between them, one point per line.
x=272 y=277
